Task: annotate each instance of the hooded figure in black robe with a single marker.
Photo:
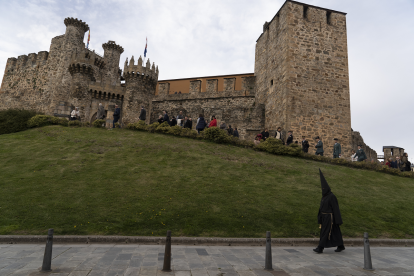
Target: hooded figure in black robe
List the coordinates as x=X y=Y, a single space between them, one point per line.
x=329 y=217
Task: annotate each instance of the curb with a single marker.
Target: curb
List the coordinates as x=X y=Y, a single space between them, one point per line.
x=14 y=239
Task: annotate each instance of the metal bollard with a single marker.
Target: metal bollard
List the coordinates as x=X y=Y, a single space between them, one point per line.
x=167 y=254
x=367 y=253
x=268 y=258
x=47 y=258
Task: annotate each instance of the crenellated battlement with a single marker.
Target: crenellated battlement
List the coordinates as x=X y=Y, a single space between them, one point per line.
x=132 y=70
x=111 y=45
x=81 y=26
x=88 y=58
x=26 y=61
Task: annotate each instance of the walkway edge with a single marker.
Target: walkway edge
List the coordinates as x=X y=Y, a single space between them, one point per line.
x=14 y=239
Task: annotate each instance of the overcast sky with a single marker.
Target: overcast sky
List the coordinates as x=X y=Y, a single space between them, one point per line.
x=203 y=38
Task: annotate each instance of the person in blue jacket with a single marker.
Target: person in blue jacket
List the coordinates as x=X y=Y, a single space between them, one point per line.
x=166 y=118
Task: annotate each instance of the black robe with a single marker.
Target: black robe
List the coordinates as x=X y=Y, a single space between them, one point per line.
x=330 y=237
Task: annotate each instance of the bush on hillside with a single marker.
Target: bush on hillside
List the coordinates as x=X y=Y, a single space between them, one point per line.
x=75 y=123
x=86 y=124
x=217 y=135
x=99 y=123
x=175 y=130
x=39 y=121
x=59 y=121
x=275 y=146
x=15 y=120
x=163 y=128
x=187 y=132
x=152 y=127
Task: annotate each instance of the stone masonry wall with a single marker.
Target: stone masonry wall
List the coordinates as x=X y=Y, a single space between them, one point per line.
x=358 y=140
x=234 y=108
x=303 y=75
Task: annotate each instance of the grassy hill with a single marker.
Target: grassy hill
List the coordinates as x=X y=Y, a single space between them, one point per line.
x=96 y=181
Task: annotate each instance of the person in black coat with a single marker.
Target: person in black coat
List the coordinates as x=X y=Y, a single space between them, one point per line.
x=201 y=124
x=265 y=134
x=290 y=138
x=173 y=121
x=329 y=219
x=116 y=115
x=236 y=132
x=166 y=118
x=305 y=145
x=143 y=114
x=160 y=120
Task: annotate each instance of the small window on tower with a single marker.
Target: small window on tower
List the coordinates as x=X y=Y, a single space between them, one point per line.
x=328 y=17
x=271 y=82
x=305 y=11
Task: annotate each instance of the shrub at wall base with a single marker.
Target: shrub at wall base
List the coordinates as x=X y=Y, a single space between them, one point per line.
x=14 y=120
x=99 y=123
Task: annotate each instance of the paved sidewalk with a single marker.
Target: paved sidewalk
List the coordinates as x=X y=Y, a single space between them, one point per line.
x=147 y=260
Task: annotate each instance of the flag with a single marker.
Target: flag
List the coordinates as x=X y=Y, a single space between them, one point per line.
x=89 y=38
x=145 y=51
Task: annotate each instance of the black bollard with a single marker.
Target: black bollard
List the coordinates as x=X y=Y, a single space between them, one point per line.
x=167 y=254
x=367 y=253
x=268 y=258
x=47 y=258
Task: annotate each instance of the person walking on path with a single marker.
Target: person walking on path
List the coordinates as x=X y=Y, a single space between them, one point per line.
x=160 y=120
x=405 y=164
x=337 y=149
x=101 y=112
x=213 y=122
x=389 y=162
x=166 y=118
x=223 y=126
x=173 y=121
x=230 y=131
x=236 y=132
x=116 y=115
x=354 y=158
x=143 y=114
x=201 y=123
x=265 y=134
x=305 y=145
x=180 y=118
x=329 y=219
x=319 y=146
x=75 y=114
x=360 y=154
x=278 y=134
x=290 y=138
x=397 y=163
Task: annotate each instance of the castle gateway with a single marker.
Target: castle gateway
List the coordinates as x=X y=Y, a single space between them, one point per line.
x=300 y=81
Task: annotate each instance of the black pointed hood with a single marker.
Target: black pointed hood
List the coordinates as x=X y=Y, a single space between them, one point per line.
x=324 y=185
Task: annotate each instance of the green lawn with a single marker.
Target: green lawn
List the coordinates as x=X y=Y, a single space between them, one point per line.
x=121 y=182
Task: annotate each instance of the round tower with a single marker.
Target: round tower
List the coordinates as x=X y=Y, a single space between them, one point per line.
x=81 y=70
x=75 y=31
x=112 y=55
x=141 y=83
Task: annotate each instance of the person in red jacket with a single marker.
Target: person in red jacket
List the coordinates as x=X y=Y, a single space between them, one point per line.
x=213 y=122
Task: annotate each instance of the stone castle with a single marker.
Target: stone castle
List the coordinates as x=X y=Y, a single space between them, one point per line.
x=300 y=81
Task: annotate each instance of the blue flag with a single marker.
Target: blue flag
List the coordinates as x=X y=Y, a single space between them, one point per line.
x=145 y=51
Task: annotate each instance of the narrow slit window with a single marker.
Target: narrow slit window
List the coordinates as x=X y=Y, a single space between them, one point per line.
x=305 y=12
x=271 y=82
x=328 y=17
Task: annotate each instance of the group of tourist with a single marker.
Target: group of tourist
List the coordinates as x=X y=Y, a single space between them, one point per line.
x=202 y=123
x=401 y=164
x=359 y=155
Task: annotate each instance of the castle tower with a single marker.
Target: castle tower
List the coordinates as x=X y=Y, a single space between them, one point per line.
x=141 y=83
x=61 y=51
x=81 y=69
x=302 y=76
x=112 y=55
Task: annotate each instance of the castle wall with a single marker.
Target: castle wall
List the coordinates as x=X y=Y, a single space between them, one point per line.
x=25 y=81
x=358 y=140
x=237 y=108
x=307 y=60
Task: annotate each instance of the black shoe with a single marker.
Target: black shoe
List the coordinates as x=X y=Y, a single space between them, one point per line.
x=318 y=250
x=340 y=248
